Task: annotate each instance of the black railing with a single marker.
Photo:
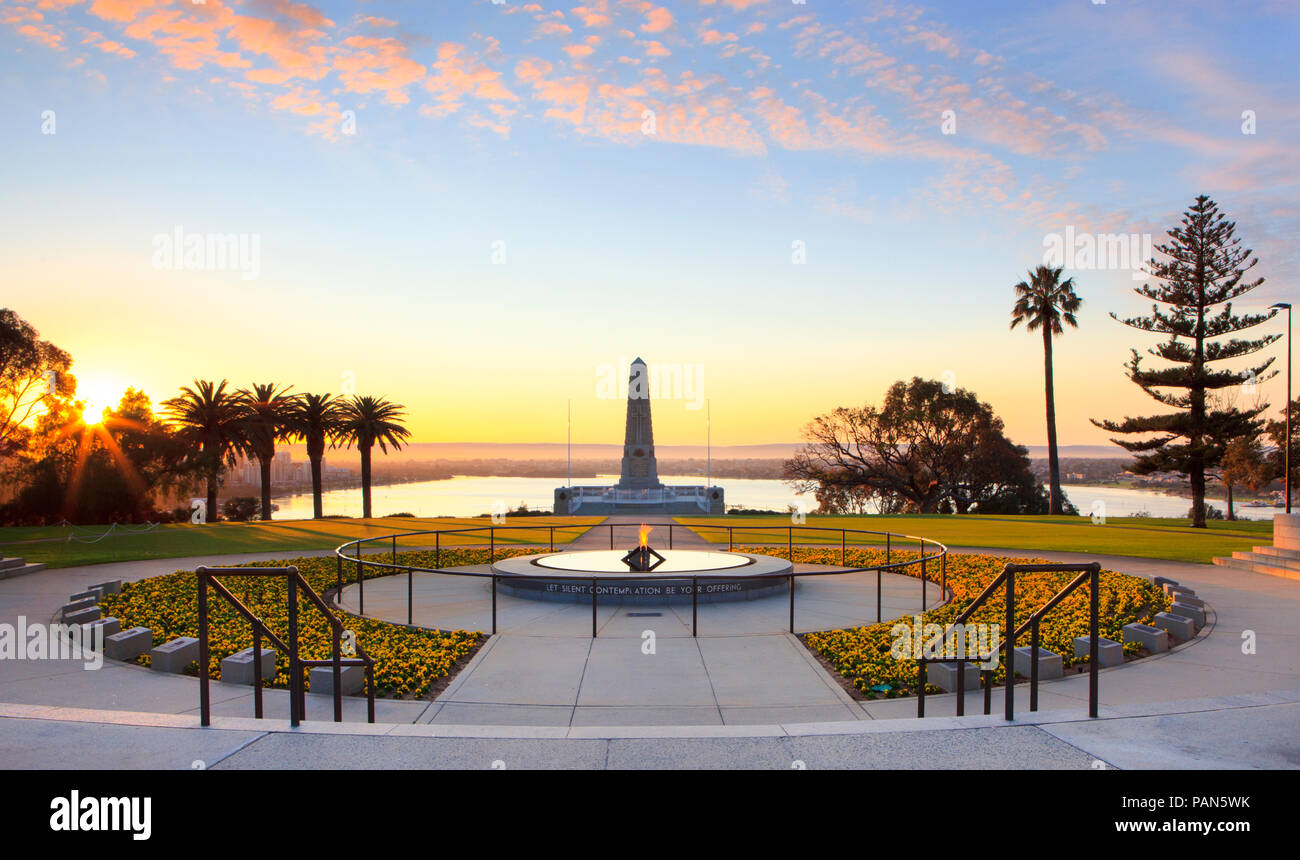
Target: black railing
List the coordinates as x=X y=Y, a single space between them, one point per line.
x=207 y=578
x=863 y=539
x=1090 y=573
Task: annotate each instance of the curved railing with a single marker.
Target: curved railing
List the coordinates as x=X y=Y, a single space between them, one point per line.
x=351 y=553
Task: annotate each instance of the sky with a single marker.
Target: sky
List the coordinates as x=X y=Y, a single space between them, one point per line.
x=481 y=210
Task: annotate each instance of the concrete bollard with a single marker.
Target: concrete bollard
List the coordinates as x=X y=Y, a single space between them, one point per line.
x=1161 y=581
x=1153 y=639
x=112 y=586
x=85 y=595
x=1109 y=652
x=238 y=667
x=82 y=616
x=175 y=655
x=1050 y=664
x=944 y=676
x=109 y=625
x=76 y=606
x=1190 y=600
x=128 y=644
x=352 y=679
x=1175 y=590
x=1179 y=628
x=1196 y=613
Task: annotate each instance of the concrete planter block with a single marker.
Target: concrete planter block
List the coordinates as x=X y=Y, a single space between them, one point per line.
x=112 y=586
x=1190 y=600
x=109 y=625
x=1153 y=639
x=1179 y=628
x=1109 y=652
x=1196 y=613
x=1175 y=590
x=352 y=678
x=1162 y=581
x=128 y=644
x=1050 y=664
x=77 y=606
x=82 y=616
x=944 y=676
x=238 y=667
x=175 y=655
x=85 y=595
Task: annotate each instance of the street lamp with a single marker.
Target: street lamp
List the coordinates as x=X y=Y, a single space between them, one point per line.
x=1286 y=306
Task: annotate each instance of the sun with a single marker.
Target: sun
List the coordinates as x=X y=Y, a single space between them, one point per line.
x=97 y=395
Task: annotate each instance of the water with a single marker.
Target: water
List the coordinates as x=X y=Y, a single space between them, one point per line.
x=468 y=496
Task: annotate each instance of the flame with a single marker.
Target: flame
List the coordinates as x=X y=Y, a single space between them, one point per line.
x=645 y=534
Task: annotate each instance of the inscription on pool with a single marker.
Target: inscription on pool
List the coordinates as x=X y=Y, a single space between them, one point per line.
x=648 y=590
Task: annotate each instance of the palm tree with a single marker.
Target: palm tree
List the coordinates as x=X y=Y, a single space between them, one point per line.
x=210 y=421
x=1042 y=303
x=368 y=421
x=268 y=412
x=315 y=419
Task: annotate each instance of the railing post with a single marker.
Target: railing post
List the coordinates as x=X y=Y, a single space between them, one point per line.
x=986 y=675
x=437 y=549
x=695 y=603
x=494 y=604
x=730 y=539
x=791 y=603
x=1010 y=659
x=361 y=585
x=257 y=671
x=1033 y=666
x=338 y=585
x=593 y=605
x=888 y=549
x=943 y=575
x=877 y=595
x=370 y=691
x=920 y=687
x=923 y=588
x=1094 y=585
x=336 y=654
x=961 y=688
x=394 y=549
x=410 y=599
x=611 y=535
x=789 y=544
x=844 y=554
x=670 y=535
x=552 y=538
x=205 y=713
x=295 y=669
x=492 y=544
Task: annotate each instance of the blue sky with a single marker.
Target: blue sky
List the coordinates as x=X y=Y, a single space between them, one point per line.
x=476 y=123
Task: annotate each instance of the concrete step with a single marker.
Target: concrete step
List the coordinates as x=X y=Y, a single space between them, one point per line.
x=1265 y=558
x=20 y=571
x=1258 y=567
x=1277 y=551
x=6 y=563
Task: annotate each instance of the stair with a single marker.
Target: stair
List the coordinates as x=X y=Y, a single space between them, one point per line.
x=10 y=567
x=1270 y=560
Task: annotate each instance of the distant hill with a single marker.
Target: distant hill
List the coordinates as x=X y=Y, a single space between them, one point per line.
x=1082 y=452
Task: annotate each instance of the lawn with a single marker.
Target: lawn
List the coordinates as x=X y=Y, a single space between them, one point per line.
x=61 y=546
x=1172 y=539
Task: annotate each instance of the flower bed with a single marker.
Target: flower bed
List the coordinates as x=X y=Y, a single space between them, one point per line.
x=862 y=654
x=408 y=661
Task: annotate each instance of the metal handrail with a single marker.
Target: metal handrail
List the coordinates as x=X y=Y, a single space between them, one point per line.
x=1089 y=572
x=940 y=554
x=207 y=576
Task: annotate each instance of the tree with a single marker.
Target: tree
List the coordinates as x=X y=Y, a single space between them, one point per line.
x=370 y=421
x=1277 y=434
x=1244 y=465
x=268 y=413
x=33 y=372
x=1042 y=304
x=315 y=418
x=925 y=449
x=210 y=421
x=1205 y=268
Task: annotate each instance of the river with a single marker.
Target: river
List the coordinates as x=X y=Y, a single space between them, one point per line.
x=467 y=496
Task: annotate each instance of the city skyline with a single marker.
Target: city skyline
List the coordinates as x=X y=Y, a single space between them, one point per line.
x=470 y=211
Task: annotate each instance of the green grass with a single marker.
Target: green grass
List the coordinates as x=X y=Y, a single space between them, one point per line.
x=50 y=545
x=1172 y=539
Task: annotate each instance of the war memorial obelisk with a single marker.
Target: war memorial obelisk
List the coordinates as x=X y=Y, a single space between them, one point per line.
x=638 y=489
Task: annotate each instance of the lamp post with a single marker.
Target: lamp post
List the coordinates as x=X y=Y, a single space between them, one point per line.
x=1286 y=306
